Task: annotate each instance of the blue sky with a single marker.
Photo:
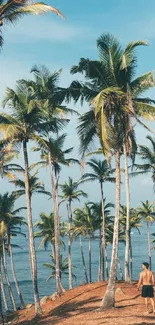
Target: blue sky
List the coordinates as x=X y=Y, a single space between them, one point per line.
x=58 y=43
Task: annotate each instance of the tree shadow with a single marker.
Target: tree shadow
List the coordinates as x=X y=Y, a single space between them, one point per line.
x=63 y=311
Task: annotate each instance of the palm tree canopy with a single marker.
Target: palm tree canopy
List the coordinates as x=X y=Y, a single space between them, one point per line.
x=84 y=222
x=58 y=154
x=11 y=11
x=10 y=221
x=109 y=81
x=46 y=230
x=36 y=186
x=28 y=118
x=147 y=154
x=63 y=267
x=100 y=171
x=147 y=211
x=70 y=191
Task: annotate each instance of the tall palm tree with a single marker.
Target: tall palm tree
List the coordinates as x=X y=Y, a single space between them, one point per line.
x=108 y=88
x=102 y=173
x=11 y=11
x=26 y=121
x=10 y=225
x=70 y=193
x=45 y=86
x=54 y=156
x=147 y=213
x=97 y=212
x=85 y=224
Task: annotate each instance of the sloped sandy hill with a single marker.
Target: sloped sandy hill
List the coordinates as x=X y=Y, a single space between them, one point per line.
x=79 y=307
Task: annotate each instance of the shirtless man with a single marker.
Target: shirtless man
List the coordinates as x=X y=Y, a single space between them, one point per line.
x=147 y=281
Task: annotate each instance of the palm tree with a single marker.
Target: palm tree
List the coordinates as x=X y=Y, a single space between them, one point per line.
x=26 y=121
x=101 y=172
x=54 y=156
x=146 y=212
x=46 y=231
x=63 y=267
x=70 y=193
x=85 y=225
x=45 y=86
x=97 y=212
x=35 y=185
x=10 y=224
x=11 y=11
x=109 y=88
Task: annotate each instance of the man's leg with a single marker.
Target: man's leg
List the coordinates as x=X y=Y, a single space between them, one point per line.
x=152 y=303
x=147 y=305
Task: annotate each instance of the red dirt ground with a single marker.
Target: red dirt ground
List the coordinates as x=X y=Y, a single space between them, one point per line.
x=79 y=307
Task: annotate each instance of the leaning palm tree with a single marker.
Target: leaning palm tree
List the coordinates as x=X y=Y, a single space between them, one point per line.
x=26 y=122
x=11 y=11
x=70 y=193
x=147 y=213
x=100 y=172
x=114 y=97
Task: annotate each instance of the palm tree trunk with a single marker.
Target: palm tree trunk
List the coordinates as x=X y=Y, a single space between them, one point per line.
x=7 y=278
x=4 y=295
x=106 y=263
x=126 y=266
x=59 y=289
x=119 y=267
x=100 y=255
x=1 y=310
x=69 y=246
x=103 y=236
x=90 y=275
x=149 y=245
x=32 y=253
x=14 y=276
x=109 y=298
x=130 y=248
x=53 y=250
x=83 y=260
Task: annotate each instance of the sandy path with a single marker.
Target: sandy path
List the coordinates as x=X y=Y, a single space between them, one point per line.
x=78 y=307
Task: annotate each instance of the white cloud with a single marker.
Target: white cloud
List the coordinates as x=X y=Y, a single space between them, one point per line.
x=36 y=29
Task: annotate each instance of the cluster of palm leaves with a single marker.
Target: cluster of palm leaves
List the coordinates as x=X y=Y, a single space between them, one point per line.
x=36 y=112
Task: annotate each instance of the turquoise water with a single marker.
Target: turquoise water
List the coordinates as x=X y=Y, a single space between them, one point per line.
x=21 y=259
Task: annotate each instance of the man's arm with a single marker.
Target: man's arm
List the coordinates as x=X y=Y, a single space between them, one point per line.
x=140 y=281
x=152 y=279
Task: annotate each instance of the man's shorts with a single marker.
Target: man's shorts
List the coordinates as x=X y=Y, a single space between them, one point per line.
x=147 y=291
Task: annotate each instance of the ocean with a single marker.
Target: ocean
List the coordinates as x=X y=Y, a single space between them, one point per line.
x=21 y=260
